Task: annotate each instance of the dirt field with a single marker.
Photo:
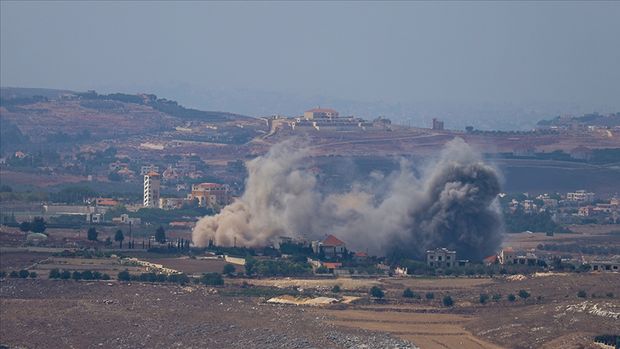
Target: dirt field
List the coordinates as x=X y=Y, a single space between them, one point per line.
x=70 y=314
x=194 y=266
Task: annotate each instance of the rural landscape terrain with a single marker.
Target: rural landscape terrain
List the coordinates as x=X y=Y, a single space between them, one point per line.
x=120 y=218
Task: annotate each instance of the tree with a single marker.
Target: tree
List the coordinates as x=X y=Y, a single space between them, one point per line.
x=76 y=275
x=92 y=234
x=249 y=265
x=582 y=294
x=87 y=275
x=336 y=289
x=32 y=274
x=229 y=269
x=447 y=301
x=376 y=292
x=212 y=279
x=512 y=298
x=497 y=297
x=24 y=273
x=407 y=293
x=483 y=298
x=119 y=237
x=38 y=225
x=524 y=294
x=160 y=235
x=24 y=226
x=430 y=295
x=13 y=274
x=124 y=276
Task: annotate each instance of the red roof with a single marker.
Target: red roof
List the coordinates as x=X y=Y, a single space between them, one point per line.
x=331 y=240
x=209 y=185
x=153 y=174
x=361 y=254
x=331 y=265
x=491 y=259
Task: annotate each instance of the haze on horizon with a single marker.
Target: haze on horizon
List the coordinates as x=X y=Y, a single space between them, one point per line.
x=396 y=53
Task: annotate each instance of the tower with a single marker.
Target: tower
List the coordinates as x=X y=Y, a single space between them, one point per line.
x=151 y=189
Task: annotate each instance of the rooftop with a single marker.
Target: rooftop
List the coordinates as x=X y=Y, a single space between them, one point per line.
x=331 y=240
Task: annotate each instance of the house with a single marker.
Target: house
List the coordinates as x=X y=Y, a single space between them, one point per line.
x=507 y=256
x=585 y=211
x=491 y=260
x=441 y=257
x=360 y=256
x=330 y=247
x=331 y=266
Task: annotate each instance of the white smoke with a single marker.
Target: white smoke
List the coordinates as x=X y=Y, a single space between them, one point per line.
x=451 y=204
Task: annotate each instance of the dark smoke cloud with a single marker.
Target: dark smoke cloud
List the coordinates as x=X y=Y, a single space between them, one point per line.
x=451 y=204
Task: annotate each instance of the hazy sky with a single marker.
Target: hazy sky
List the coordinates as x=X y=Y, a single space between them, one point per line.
x=396 y=51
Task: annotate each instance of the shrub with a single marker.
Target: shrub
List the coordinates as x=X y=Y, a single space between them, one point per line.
x=76 y=275
x=13 y=274
x=376 y=292
x=447 y=301
x=65 y=275
x=105 y=277
x=24 y=273
x=87 y=275
x=483 y=298
x=2 y=274
x=407 y=293
x=96 y=275
x=212 y=279
x=582 y=294
x=430 y=295
x=54 y=274
x=336 y=289
x=162 y=278
x=512 y=297
x=322 y=270
x=524 y=294
x=610 y=295
x=32 y=275
x=497 y=297
x=123 y=276
x=229 y=269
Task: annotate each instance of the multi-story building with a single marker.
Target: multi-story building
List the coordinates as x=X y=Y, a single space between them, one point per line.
x=440 y=258
x=211 y=194
x=151 y=189
x=580 y=196
x=320 y=113
x=437 y=124
x=148 y=168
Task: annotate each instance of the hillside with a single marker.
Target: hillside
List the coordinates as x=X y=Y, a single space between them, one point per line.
x=62 y=117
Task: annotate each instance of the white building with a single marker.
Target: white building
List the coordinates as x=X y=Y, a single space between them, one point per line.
x=580 y=196
x=144 y=170
x=441 y=257
x=151 y=189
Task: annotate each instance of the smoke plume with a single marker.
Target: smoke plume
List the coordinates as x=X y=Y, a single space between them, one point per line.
x=450 y=203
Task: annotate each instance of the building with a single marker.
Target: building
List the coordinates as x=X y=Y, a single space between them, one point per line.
x=608 y=266
x=331 y=246
x=172 y=203
x=580 y=196
x=440 y=258
x=437 y=124
x=320 y=113
x=151 y=189
x=144 y=170
x=507 y=256
x=210 y=194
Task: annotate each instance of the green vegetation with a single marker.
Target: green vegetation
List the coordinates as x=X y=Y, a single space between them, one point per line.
x=229 y=269
x=376 y=292
x=520 y=221
x=512 y=297
x=92 y=234
x=408 y=293
x=483 y=298
x=447 y=301
x=280 y=268
x=496 y=297
x=212 y=279
x=24 y=273
x=119 y=237
x=430 y=295
x=524 y=294
x=336 y=289
x=582 y=294
x=160 y=235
